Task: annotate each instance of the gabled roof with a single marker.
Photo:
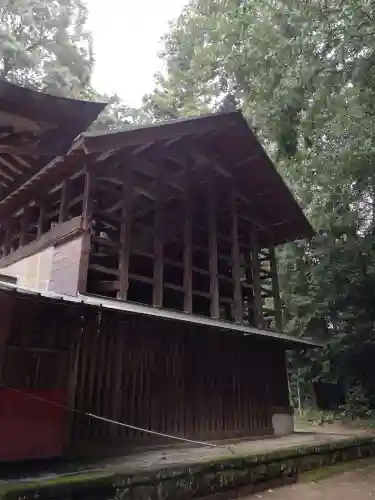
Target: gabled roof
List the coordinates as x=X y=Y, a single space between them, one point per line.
x=34 y=128
x=227 y=142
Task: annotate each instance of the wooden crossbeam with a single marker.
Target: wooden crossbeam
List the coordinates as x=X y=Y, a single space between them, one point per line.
x=9 y=165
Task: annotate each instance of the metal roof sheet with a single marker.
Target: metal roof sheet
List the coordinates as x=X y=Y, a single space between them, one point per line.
x=164 y=314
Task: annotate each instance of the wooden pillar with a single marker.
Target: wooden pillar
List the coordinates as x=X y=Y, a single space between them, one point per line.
x=88 y=207
x=42 y=211
x=212 y=234
x=157 y=296
x=64 y=195
x=6 y=312
x=24 y=226
x=73 y=367
x=8 y=238
x=126 y=207
x=188 y=252
x=255 y=271
x=236 y=265
x=276 y=290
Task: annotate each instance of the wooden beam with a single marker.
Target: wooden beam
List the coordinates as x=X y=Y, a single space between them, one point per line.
x=236 y=269
x=11 y=167
x=276 y=290
x=6 y=174
x=59 y=233
x=125 y=231
x=6 y=315
x=8 y=239
x=104 y=269
x=88 y=207
x=88 y=200
x=255 y=271
x=157 y=296
x=212 y=235
x=41 y=218
x=64 y=194
x=24 y=224
x=188 y=253
x=159 y=132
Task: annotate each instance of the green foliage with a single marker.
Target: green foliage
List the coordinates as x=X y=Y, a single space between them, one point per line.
x=357 y=404
x=304 y=75
x=46 y=45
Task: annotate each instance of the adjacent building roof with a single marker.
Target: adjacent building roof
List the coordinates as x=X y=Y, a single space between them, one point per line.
x=130 y=308
x=34 y=128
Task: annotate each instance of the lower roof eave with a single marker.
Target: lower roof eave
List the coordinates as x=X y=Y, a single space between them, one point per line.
x=291 y=342
x=144 y=310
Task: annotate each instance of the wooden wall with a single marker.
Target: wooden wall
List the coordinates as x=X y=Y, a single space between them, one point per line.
x=33 y=271
x=171 y=378
x=65 y=267
x=174 y=379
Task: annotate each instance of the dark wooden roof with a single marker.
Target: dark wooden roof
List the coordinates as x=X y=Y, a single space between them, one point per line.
x=35 y=128
x=222 y=140
x=225 y=141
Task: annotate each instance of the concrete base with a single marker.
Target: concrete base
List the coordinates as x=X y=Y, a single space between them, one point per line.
x=283 y=424
x=184 y=473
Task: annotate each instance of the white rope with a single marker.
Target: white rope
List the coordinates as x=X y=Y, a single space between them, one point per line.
x=108 y=420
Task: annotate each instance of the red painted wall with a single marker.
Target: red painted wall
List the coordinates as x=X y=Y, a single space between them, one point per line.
x=30 y=428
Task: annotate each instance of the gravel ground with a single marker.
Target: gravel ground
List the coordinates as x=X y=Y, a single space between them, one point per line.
x=358 y=484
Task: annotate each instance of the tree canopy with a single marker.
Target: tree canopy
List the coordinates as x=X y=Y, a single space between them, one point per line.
x=46 y=45
x=303 y=72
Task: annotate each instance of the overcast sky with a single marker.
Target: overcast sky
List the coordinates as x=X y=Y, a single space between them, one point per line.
x=126 y=42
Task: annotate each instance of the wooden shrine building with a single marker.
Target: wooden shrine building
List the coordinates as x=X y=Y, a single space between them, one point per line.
x=147 y=287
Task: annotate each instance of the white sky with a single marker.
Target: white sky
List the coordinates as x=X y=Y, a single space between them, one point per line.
x=126 y=42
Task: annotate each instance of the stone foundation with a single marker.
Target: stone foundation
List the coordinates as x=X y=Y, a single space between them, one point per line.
x=214 y=479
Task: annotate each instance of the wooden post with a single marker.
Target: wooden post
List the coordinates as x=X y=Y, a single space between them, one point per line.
x=212 y=234
x=255 y=271
x=42 y=210
x=73 y=364
x=6 y=313
x=8 y=239
x=88 y=207
x=24 y=223
x=188 y=252
x=63 y=213
x=236 y=268
x=276 y=290
x=157 y=297
x=126 y=205
x=88 y=200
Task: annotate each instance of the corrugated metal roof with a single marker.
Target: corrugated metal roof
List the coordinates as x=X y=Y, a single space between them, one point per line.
x=164 y=314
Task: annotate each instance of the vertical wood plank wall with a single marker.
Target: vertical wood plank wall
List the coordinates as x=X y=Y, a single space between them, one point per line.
x=175 y=380
x=171 y=378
